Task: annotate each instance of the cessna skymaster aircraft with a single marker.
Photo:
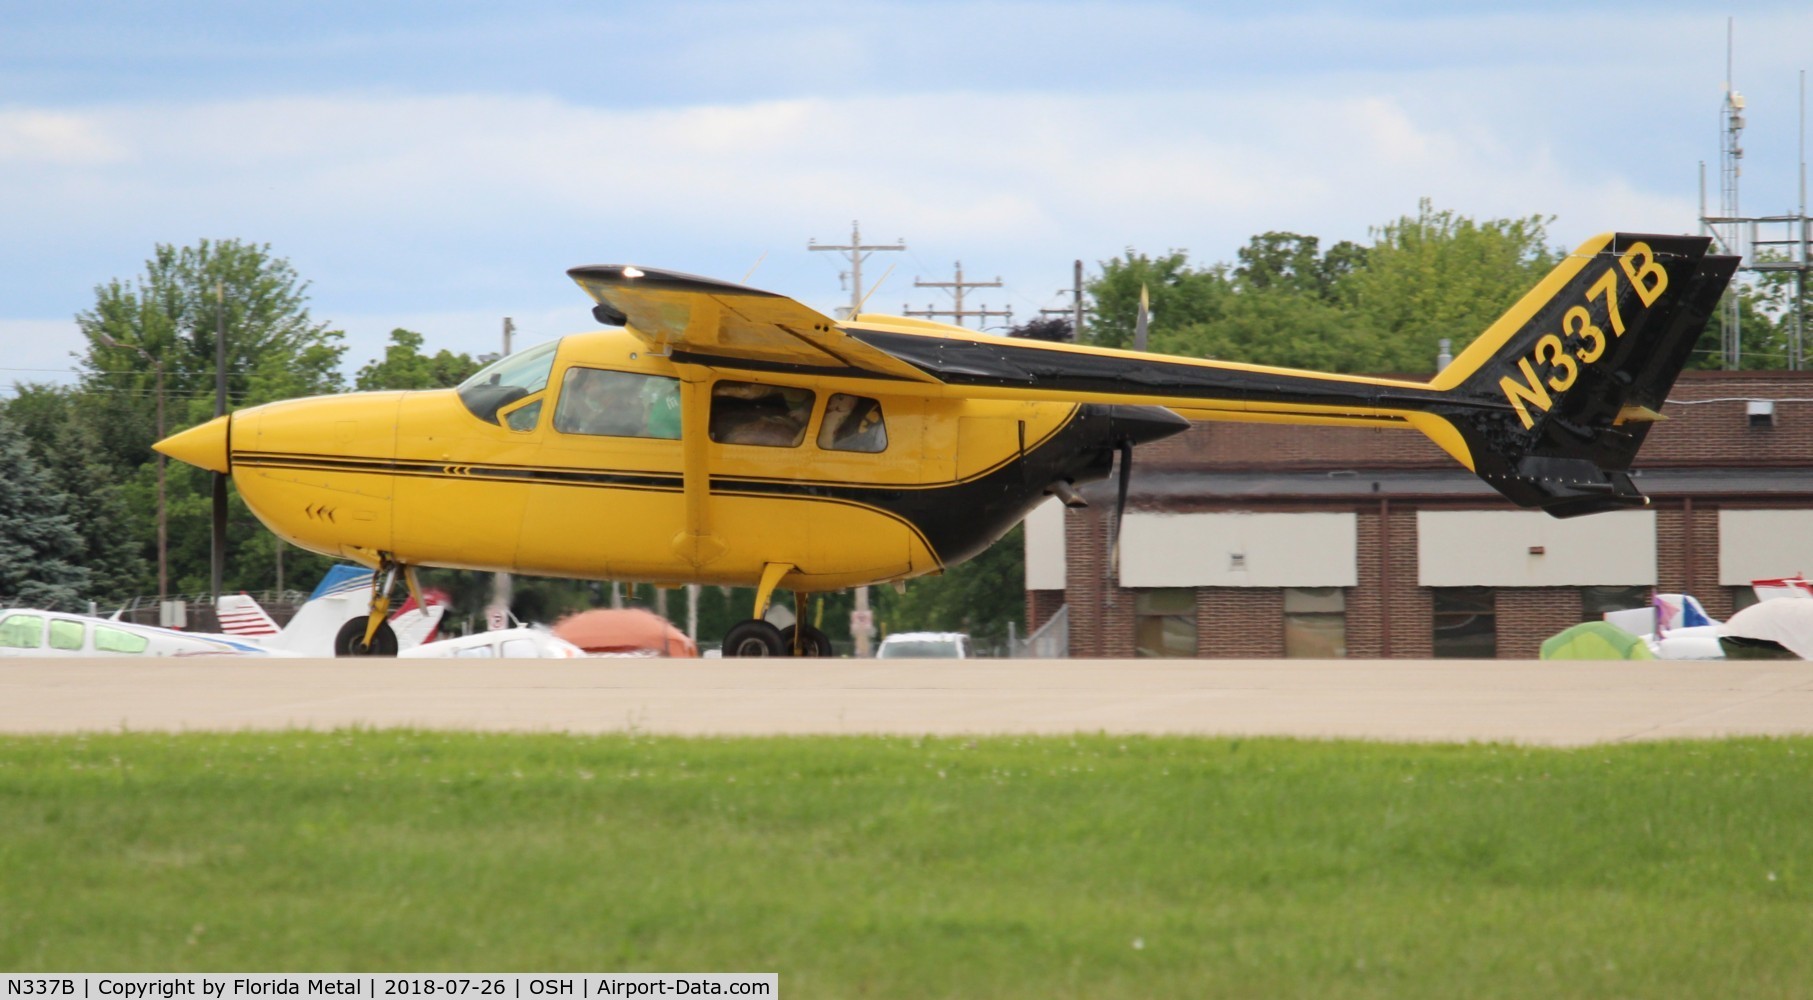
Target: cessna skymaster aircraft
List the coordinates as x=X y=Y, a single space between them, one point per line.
x=727 y=435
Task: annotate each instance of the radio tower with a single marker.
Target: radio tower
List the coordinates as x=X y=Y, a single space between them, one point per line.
x=1731 y=120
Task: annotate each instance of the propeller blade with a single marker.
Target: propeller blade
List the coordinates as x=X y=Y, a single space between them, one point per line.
x=219 y=549
x=1144 y=320
x=1120 y=506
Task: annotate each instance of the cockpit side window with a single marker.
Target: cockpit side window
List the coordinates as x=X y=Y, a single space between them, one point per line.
x=618 y=404
x=752 y=413
x=853 y=423
x=507 y=380
x=523 y=417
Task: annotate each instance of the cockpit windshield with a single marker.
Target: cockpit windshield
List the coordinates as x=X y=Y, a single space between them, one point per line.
x=507 y=380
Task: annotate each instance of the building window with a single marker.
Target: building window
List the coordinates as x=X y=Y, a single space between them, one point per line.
x=1164 y=622
x=1596 y=601
x=1315 y=622
x=1466 y=623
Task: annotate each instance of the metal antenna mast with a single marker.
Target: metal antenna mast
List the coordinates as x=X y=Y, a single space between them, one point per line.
x=1783 y=240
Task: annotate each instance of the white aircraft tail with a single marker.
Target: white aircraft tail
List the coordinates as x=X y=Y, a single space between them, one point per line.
x=341 y=595
x=243 y=616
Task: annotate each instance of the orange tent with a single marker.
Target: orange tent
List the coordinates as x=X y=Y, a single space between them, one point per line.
x=624 y=631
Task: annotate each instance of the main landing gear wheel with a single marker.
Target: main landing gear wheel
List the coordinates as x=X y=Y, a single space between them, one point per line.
x=812 y=642
x=755 y=637
x=351 y=639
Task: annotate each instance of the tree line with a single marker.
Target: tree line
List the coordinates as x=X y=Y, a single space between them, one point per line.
x=78 y=506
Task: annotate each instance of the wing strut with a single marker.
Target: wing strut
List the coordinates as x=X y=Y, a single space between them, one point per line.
x=695 y=543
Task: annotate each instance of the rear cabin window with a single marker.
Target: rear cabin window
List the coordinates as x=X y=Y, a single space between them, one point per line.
x=853 y=423
x=618 y=404
x=108 y=639
x=753 y=413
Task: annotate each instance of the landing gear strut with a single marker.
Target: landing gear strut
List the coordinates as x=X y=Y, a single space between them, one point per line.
x=756 y=637
x=371 y=634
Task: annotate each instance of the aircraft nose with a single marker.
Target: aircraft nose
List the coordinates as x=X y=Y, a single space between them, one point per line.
x=203 y=446
x=1140 y=424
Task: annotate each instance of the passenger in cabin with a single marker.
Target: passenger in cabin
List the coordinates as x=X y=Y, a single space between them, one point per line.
x=852 y=423
x=747 y=413
x=601 y=402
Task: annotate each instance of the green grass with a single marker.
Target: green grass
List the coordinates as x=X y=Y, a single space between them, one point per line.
x=875 y=867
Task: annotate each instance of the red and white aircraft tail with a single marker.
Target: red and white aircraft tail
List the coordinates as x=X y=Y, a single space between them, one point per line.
x=342 y=594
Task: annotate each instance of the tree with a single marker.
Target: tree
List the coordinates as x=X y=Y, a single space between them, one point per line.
x=1441 y=275
x=171 y=313
x=1049 y=328
x=37 y=539
x=66 y=442
x=406 y=367
x=1180 y=295
x=1289 y=262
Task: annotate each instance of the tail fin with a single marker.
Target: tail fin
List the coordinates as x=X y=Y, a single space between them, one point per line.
x=242 y=615
x=1551 y=403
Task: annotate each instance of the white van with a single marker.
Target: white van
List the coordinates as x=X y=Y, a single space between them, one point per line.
x=924 y=646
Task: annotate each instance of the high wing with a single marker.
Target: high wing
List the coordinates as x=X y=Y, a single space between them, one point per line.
x=703 y=321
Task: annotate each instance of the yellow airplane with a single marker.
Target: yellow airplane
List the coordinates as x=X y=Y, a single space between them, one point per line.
x=721 y=434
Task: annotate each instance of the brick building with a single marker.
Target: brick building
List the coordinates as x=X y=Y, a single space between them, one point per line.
x=1260 y=540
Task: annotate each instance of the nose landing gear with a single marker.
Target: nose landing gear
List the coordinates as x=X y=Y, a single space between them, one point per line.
x=371 y=635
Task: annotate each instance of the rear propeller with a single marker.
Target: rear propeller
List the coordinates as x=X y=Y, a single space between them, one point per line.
x=1142 y=321
x=1125 y=460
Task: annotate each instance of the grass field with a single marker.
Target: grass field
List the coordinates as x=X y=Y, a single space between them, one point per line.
x=877 y=867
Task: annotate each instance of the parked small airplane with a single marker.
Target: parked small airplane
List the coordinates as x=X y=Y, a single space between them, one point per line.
x=312 y=630
x=728 y=435
x=33 y=632
x=521 y=642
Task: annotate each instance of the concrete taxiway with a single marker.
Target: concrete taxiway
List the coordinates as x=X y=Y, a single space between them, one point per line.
x=1535 y=702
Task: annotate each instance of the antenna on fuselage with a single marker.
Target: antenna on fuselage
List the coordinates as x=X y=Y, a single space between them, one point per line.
x=758 y=263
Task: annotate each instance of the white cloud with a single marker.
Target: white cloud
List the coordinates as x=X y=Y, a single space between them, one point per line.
x=54 y=138
x=457 y=207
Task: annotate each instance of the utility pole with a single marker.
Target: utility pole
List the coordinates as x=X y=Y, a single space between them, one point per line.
x=859 y=252
x=862 y=620
x=957 y=288
x=1075 y=312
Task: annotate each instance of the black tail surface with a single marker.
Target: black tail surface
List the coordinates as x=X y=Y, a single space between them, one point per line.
x=1553 y=401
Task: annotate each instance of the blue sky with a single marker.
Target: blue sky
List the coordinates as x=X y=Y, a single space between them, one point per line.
x=439 y=166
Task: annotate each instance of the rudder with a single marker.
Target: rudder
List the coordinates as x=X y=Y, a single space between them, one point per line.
x=1553 y=401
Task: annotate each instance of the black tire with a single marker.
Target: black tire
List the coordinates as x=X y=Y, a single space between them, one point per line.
x=812 y=642
x=351 y=639
x=754 y=637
